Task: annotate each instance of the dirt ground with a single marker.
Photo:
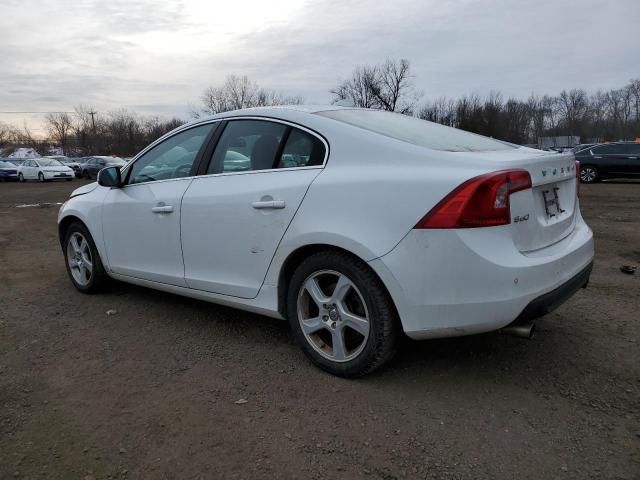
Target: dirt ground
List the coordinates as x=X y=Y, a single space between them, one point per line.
x=151 y=391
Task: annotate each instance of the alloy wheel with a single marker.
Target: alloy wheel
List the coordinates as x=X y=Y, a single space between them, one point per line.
x=41 y=177
x=588 y=174
x=333 y=315
x=79 y=258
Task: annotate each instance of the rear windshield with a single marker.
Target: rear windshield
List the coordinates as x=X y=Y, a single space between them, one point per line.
x=416 y=131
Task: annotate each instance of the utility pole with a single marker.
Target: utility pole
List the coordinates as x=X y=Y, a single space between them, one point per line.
x=93 y=121
x=93 y=127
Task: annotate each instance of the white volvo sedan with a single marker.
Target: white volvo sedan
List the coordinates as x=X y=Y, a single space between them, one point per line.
x=355 y=225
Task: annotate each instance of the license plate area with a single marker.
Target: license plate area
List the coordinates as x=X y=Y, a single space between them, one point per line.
x=551 y=201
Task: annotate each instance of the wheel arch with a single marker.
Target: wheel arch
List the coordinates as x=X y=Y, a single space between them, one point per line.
x=297 y=256
x=64 y=225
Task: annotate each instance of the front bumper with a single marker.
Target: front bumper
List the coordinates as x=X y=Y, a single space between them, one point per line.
x=450 y=283
x=58 y=175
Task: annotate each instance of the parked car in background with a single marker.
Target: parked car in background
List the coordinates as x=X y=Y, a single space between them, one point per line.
x=609 y=160
x=8 y=171
x=69 y=162
x=94 y=164
x=582 y=146
x=355 y=225
x=44 y=169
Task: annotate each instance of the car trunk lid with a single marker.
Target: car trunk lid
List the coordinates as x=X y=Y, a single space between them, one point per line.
x=545 y=213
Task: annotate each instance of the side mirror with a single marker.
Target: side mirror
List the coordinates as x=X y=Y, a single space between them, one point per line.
x=110 y=177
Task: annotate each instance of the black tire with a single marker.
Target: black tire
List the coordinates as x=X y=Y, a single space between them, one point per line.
x=86 y=175
x=589 y=174
x=99 y=278
x=384 y=325
x=41 y=177
x=21 y=177
x=69 y=179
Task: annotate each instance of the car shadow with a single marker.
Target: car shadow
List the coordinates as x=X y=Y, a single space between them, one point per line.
x=475 y=356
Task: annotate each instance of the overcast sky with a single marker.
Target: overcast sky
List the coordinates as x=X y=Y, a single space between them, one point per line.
x=156 y=57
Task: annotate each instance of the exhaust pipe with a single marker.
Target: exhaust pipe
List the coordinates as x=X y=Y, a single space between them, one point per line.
x=522 y=330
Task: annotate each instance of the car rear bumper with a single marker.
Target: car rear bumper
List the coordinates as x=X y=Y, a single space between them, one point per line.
x=461 y=282
x=548 y=302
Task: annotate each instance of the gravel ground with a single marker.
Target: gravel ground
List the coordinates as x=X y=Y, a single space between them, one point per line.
x=152 y=391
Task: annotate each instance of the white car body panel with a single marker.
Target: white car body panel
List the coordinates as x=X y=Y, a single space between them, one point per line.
x=141 y=242
x=366 y=200
x=227 y=243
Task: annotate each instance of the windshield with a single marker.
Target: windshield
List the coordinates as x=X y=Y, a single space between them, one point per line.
x=416 y=131
x=49 y=162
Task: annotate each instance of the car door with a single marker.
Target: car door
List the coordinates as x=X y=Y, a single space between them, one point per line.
x=234 y=217
x=32 y=169
x=87 y=166
x=610 y=158
x=141 y=220
x=632 y=158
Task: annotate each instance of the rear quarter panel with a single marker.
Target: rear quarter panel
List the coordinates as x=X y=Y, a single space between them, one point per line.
x=372 y=192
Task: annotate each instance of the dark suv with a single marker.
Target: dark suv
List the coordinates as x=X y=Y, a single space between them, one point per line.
x=608 y=160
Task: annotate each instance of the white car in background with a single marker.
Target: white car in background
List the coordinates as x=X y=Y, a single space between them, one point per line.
x=355 y=225
x=44 y=169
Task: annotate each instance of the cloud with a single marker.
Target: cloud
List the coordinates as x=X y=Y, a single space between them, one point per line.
x=158 y=56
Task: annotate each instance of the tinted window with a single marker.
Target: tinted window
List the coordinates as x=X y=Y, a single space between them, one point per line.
x=301 y=150
x=606 y=149
x=173 y=158
x=632 y=149
x=418 y=132
x=247 y=145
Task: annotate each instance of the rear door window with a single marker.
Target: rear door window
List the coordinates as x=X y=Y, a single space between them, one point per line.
x=606 y=149
x=247 y=145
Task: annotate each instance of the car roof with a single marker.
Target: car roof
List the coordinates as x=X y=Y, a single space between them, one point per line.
x=284 y=112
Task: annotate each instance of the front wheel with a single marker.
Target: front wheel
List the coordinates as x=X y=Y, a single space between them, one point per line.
x=86 y=175
x=589 y=174
x=20 y=177
x=41 y=177
x=82 y=260
x=341 y=314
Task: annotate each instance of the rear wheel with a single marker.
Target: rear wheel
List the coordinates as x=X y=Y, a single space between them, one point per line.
x=82 y=260
x=589 y=174
x=341 y=314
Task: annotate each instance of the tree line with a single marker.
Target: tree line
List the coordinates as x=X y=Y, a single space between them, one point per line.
x=86 y=132
x=596 y=117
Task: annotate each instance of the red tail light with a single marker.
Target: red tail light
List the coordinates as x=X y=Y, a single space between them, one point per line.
x=577 y=178
x=480 y=202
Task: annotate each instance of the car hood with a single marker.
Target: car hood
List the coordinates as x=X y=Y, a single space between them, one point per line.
x=90 y=187
x=55 y=169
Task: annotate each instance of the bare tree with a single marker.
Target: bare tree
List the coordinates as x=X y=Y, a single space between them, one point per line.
x=240 y=92
x=442 y=110
x=59 y=127
x=387 y=86
x=573 y=107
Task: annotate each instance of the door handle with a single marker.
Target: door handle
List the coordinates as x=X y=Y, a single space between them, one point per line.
x=272 y=204
x=162 y=208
